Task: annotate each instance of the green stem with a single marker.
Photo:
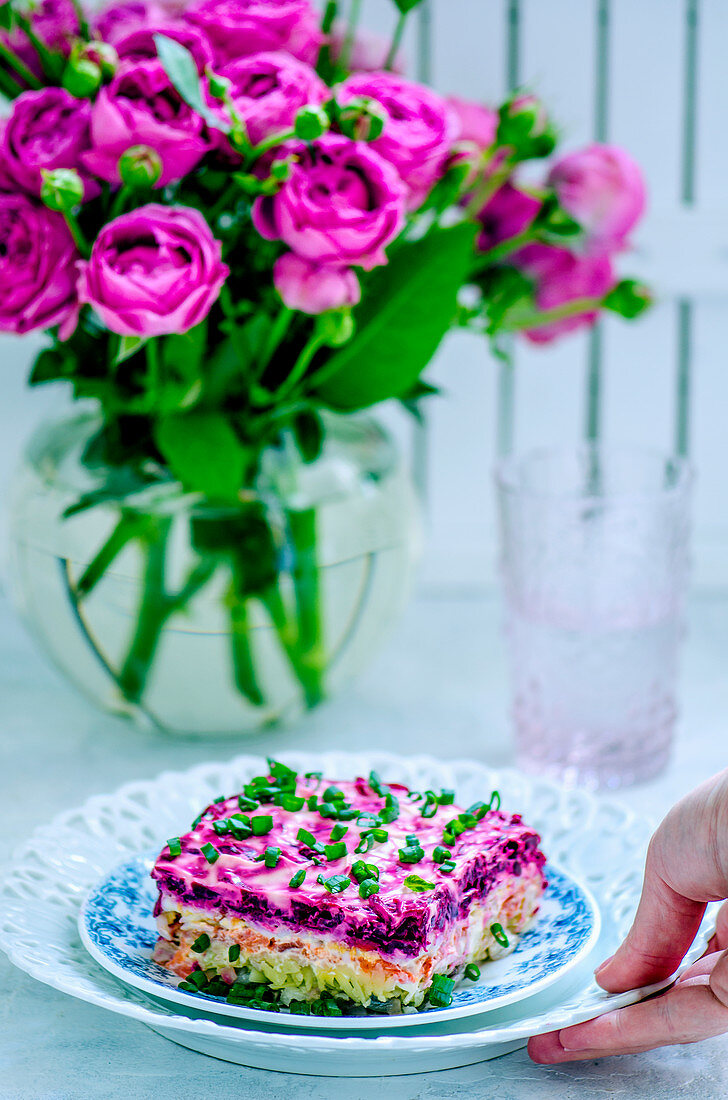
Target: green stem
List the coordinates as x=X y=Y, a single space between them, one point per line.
x=128 y=527
x=7 y=55
x=488 y=188
x=396 y=40
x=300 y=367
x=519 y=322
x=83 y=27
x=51 y=63
x=302 y=526
x=244 y=673
x=77 y=233
x=277 y=334
x=230 y=192
x=354 y=15
x=154 y=610
x=495 y=254
x=153 y=365
x=10 y=89
x=270 y=143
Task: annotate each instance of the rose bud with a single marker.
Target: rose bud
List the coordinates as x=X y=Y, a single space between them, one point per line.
x=140 y=167
x=102 y=54
x=61 y=189
x=219 y=86
x=629 y=298
x=314 y=288
x=361 y=119
x=524 y=125
x=311 y=122
x=82 y=78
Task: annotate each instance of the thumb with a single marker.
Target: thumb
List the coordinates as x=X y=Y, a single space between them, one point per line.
x=665 y=925
x=719 y=979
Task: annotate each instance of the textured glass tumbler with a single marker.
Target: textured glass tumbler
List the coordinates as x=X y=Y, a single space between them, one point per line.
x=594 y=561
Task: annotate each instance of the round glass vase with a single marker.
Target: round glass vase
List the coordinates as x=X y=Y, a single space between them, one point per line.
x=200 y=619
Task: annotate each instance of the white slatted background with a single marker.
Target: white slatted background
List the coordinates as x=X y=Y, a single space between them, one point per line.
x=646 y=73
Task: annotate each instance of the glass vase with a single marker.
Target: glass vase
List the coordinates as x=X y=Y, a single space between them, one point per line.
x=201 y=619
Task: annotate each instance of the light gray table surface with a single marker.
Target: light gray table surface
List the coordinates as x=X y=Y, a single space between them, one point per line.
x=439 y=686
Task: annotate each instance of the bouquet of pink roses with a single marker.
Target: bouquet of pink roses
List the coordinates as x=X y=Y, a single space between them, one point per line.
x=232 y=217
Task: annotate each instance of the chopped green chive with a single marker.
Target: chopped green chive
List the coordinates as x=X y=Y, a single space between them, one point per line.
x=339 y=831
x=198 y=978
x=221 y=826
x=300 y=1008
x=446 y=797
x=197 y=820
x=468 y=820
x=336 y=884
x=210 y=853
x=380 y=835
x=261 y=824
x=448 y=866
x=234 y=952
x=359 y=870
x=418 y=885
x=328 y=809
x=313 y=775
x=348 y=813
x=412 y=838
x=429 y=809
x=367 y=818
x=472 y=972
x=188 y=987
x=312 y=802
x=479 y=809
x=298 y=879
x=272 y=855
x=496 y=931
x=365 y=844
x=306 y=838
x=292 y=802
x=335 y=851
x=201 y=943
x=333 y=794
x=376 y=784
x=368 y=887
x=220 y=798
x=495 y=801
x=440 y=854
x=414 y=795
x=440 y=994
x=281 y=771
x=247 y=803
x=175 y=846
x=239 y=821
x=391 y=810
x=411 y=854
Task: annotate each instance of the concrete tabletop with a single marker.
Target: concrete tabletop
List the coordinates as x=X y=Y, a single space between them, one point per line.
x=439 y=686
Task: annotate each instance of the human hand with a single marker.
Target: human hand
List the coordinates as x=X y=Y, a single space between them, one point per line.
x=686 y=867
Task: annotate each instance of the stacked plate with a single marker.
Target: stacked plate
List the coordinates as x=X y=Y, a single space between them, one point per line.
x=88 y=873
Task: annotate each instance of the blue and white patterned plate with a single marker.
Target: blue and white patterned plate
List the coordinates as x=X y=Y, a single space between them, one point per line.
x=118 y=930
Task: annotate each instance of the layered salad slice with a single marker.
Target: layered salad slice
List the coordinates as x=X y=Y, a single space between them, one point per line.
x=317 y=895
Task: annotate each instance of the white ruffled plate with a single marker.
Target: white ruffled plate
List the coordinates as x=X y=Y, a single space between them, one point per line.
x=42 y=890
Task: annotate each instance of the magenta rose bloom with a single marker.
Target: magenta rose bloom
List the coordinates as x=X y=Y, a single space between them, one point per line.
x=54 y=23
x=419 y=132
x=269 y=88
x=603 y=189
x=342 y=205
x=47 y=129
x=507 y=213
x=37 y=268
x=560 y=277
x=154 y=271
x=237 y=28
x=478 y=123
x=312 y=288
x=141 y=107
x=139 y=44
x=116 y=21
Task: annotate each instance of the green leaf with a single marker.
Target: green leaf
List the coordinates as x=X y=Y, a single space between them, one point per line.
x=128 y=346
x=407 y=308
x=203 y=451
x=179 y=65
x=406 y=6
x=180 y=384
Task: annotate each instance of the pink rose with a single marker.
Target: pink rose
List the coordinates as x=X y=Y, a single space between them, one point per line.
x=603 y=189
x=419 y=132
x=55 y=24
x=561 y=277
x=237 y=28
x=478 y=123
x=507 y=213
x=314 y=289
x=116 y=21
x=269 y=88
x=37 y=267
x=368 y=52
x=154 y=271
x=342 y=205
x=47 y=129
x=139 y=45
x=140 y=107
